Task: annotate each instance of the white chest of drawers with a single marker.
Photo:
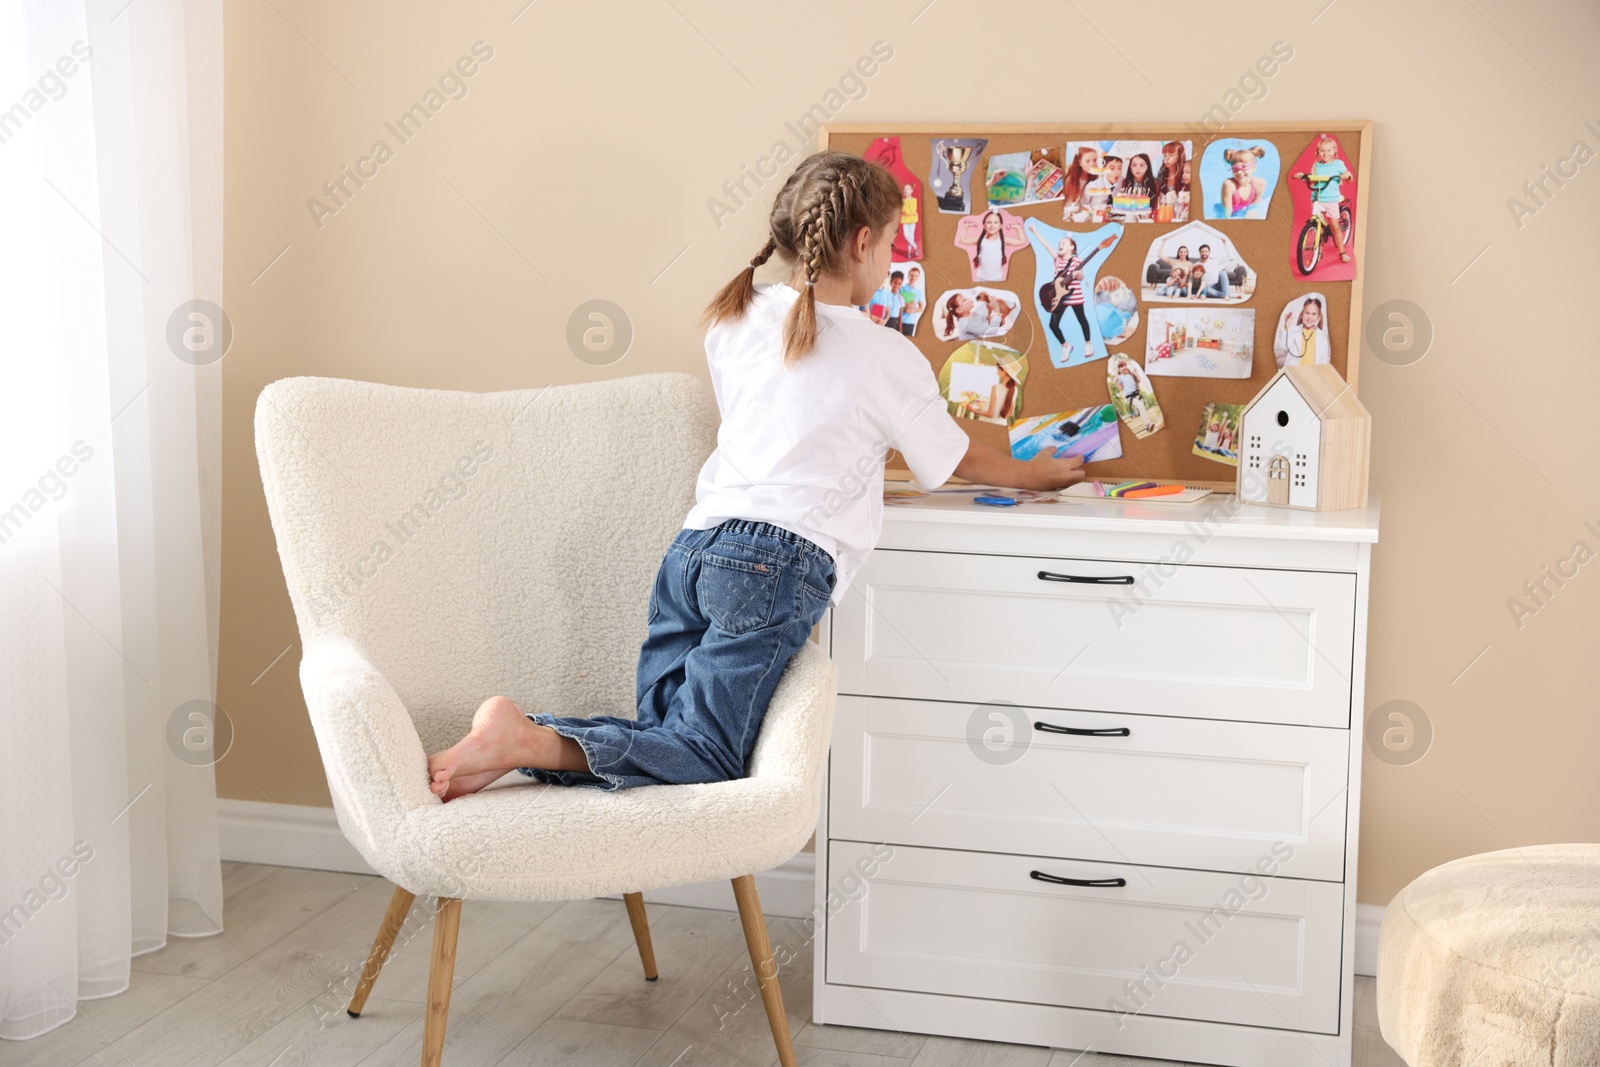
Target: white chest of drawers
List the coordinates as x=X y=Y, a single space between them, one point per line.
x=1095 y=780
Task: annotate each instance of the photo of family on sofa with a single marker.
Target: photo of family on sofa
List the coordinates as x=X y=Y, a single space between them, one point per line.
x=1196 y=263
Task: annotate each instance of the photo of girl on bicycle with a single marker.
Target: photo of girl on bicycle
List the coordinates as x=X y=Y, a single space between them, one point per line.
x=1322 y=190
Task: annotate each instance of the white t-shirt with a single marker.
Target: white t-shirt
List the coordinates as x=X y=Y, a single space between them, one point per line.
x=802 y=446
x=989 y=269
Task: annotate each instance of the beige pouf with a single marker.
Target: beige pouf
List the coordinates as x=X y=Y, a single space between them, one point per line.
x=1494 y=961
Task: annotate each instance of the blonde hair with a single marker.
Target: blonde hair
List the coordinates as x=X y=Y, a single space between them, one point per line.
x=829 y=197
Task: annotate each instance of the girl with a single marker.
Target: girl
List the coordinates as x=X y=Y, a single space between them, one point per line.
x=970 y=318
x=1327 y=175
x=909 y=216
x=811 y=392
x=1177 y=286
x=1134 y=199
x=1067 y=291
x=991 y=258
x=1308 y=343
x=1172 y=179
x=1242 y=191
x=1083 y=169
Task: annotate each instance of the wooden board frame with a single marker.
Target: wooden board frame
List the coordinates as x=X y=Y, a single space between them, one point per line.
x=1264 y=244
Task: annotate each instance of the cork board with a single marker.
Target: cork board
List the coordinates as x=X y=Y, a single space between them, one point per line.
x=1264 y=244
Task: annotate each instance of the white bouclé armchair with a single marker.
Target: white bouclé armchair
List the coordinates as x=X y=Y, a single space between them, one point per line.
x=442 y=547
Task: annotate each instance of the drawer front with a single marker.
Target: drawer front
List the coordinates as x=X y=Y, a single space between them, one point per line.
x=1180 y=944
x=1206 y=642
x=1174 y=792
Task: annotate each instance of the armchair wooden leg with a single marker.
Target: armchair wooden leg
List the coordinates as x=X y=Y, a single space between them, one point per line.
x=755 y=938
x=446 y=924
x=641 y=933
x=393 y=919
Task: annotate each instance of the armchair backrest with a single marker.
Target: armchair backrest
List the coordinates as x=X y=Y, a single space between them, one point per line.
x=481 y=543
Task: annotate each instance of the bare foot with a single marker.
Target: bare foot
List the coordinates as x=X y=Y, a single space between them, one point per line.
x=501 y=739
x=461 y=784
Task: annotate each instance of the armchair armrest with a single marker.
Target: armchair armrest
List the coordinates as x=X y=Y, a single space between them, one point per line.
x=377 y=770
x=798 y=726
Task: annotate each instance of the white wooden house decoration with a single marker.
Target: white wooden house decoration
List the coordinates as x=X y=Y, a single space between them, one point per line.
x=1307 y=442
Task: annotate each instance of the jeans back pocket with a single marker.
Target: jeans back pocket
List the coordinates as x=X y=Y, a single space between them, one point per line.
x=737 y=589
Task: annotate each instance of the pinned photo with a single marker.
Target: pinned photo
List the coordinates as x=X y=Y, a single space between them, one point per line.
x=1017 y=178
x=1322 y=190
x=1065 y=264
x=1200 y=342
x=1126 y=181
x=1218 y=436
x=903 y=287
x=908 y=239
x=1302 y=332
x=954 y=161
x=1133 y=396
x=1238 y=177
x=1197 y=263
x=983 y=381
x=988 y=242
x=888 y=304
x=975 y=314
x=1088 y=432
x=1116 y=310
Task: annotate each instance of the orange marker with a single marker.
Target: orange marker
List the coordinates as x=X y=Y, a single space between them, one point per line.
x=1159 y=490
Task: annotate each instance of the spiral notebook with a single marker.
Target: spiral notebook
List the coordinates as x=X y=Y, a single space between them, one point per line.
x=1085 y=491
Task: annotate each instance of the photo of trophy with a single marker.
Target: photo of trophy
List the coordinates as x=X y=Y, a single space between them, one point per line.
x=952 y=198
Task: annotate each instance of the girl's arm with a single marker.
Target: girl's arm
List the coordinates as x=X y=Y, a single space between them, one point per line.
x=987 y=465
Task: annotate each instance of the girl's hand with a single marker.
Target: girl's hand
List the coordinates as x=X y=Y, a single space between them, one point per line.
x=1051 y=473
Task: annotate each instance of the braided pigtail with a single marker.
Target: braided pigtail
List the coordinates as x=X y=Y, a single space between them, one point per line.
x=735 y=297
x=824 y=204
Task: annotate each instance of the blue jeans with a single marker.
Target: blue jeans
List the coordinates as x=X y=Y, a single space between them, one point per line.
x=730 y=606
x=1218 y=291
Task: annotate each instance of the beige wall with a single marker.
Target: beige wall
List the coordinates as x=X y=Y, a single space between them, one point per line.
x=579 y=165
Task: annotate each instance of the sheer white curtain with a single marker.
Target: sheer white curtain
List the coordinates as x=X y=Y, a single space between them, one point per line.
x=110 y=222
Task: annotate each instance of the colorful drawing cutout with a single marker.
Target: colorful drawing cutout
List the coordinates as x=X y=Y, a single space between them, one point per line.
x=1200 y=342
x=984 y=381
x=975 y=314
x=1217 y=438
x=1196 y=263
x=1017 y=178
x=908 y=240
x=1321 y=189
x=1133 y=396
x=955 y=159
x=1116 y=309
x=1088 y=432
x=1126 y=181
x=988 y=242
x=1065 y=264
x=1238 y=177
x=1301 y=335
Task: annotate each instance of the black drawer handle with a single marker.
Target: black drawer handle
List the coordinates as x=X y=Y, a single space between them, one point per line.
x=1087 y=883
x=1076 y=731
x=1087 y=579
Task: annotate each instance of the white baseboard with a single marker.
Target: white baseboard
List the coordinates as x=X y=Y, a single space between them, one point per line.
x=1369 y=919
x=290 y=835
x=285 y=835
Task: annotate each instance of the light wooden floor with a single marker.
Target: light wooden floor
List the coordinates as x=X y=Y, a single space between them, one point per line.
x=536 y=984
